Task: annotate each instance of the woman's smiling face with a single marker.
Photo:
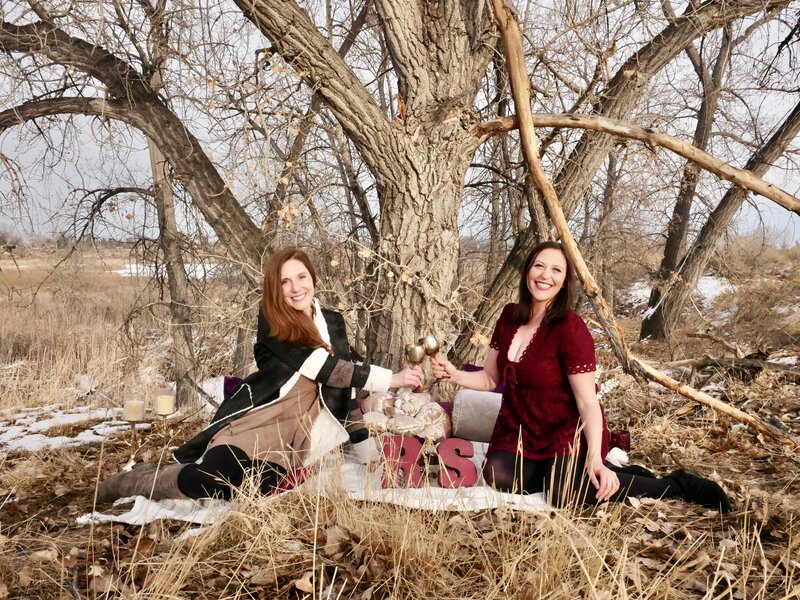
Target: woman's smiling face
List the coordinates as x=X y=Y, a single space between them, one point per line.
x=297 y=285
x=547 y=275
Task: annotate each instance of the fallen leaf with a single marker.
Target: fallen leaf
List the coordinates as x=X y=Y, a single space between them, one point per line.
x=144 y=547
x=304 y=584
x=50 y=555
x=25 y=576
x=335 y=538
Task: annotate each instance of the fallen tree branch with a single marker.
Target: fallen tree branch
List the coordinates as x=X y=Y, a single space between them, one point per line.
x=718 y=405
x=653 y=139
x=520 y=87
x=728 y=346
x=732 y=362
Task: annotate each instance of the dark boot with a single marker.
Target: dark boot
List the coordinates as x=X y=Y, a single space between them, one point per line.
x=145 y=480
x=700 y=490
x=637 y=470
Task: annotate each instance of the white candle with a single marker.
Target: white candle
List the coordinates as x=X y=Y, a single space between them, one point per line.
x=165 y=405
x=133 y=411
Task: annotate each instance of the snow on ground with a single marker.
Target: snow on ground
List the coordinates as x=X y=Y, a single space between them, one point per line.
x=27 y=431
x=708 y=289
x=786 y=310
x=786 y=360
x=196 y=270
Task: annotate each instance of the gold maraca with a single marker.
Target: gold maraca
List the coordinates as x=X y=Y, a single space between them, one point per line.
x=430 y=343
x=415 y=353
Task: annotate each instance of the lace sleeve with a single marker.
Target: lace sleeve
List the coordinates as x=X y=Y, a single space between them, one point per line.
x=498 y=336
x=576 y=346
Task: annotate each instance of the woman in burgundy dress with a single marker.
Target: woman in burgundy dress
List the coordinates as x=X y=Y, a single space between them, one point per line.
x=544 y=354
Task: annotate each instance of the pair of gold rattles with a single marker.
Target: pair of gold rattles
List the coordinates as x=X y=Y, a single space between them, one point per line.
x=415 y=352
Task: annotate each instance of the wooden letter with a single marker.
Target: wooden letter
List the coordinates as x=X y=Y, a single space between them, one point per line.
x=456 y=469
x=401 y=453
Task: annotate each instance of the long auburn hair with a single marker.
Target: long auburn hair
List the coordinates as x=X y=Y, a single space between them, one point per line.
x=561 y=304
x=285 y=323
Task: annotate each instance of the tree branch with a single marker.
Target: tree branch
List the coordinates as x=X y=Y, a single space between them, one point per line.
x=652 y=138
x=324 y=71
x=192 y=167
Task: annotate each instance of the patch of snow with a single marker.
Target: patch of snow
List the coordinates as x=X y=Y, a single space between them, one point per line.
x=786 y=360
x=707 y=290
x=73 y=417
x=194 y=270
x=214 y=387
x=722 y=318
x=786 y=310
x=638 y=293
x=28 y=431
x=710 y=287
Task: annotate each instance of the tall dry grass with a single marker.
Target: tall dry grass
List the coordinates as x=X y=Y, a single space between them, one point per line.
x=308 y=545
x=81 y=333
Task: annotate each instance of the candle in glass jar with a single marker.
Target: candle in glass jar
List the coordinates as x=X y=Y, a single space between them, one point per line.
x=133 y=411
x=165 y=405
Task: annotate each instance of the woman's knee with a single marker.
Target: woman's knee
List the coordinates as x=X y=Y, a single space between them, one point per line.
x=498 y=473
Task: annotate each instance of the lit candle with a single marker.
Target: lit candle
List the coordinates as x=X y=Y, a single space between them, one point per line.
x=165 y=405
x=133 y=411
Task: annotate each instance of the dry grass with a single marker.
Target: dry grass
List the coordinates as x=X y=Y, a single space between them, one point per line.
x=303 y=544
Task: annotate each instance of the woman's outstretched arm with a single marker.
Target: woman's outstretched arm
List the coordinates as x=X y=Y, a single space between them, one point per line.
x=484 y=380
x=334 y=370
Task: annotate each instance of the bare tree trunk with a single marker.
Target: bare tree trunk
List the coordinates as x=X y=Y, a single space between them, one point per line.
x=602 y=253
x=678 y=228
x=169 y=238
x=677 y=291
x=180 y=315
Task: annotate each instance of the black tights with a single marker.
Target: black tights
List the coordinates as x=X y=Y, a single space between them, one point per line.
x=223 y=468
x=569 y=482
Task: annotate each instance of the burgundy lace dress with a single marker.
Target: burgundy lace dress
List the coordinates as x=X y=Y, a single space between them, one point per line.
x=539 y=408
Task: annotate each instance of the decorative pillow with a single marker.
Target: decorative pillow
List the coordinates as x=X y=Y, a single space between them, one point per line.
x=408 y=403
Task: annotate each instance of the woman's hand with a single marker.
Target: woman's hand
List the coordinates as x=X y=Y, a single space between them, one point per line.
x=603 y=479
x=412 y=376
x=442 y=368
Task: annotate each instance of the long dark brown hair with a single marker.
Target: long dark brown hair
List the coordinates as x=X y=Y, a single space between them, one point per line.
x=561 y=304
x=285 y=323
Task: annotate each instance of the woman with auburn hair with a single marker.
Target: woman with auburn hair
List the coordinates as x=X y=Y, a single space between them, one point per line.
x=543 y=353
x=298 y=406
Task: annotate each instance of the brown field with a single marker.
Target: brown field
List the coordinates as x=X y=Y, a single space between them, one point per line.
x=83 y=323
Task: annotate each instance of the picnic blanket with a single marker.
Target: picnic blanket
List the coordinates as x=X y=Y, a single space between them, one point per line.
x=336 y=476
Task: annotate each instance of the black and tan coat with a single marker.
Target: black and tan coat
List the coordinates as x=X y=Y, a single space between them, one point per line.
x=281 y=365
